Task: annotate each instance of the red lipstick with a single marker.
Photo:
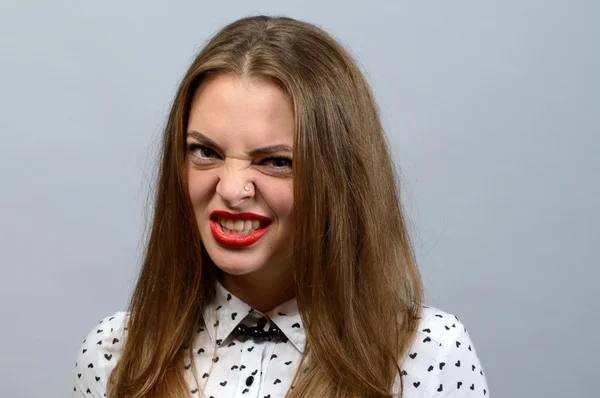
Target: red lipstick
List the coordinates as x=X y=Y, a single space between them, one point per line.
x=237 y=240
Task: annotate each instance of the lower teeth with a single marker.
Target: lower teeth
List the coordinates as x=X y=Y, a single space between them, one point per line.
x=236 y=232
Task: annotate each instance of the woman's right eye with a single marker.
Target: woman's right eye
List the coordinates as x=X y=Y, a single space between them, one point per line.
x=201 y=152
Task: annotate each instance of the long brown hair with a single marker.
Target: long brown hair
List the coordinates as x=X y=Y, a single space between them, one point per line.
x=357 y=284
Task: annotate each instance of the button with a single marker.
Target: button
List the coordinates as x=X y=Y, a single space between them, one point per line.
x=256 y=334
x=262 y=322
x=274 y=333
x=249 y=380
x=240 y=332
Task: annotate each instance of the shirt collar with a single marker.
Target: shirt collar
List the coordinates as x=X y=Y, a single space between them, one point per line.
x=226 y=311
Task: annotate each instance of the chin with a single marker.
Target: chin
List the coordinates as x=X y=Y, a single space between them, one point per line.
x=236 y=270
x=233 y=263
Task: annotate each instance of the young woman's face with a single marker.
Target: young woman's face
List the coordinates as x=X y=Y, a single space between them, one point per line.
x=239 y=157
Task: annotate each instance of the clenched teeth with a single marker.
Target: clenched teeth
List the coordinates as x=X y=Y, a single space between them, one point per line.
x=239 y=226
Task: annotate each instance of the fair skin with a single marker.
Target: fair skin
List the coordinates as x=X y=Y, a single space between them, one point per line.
x=240 y=135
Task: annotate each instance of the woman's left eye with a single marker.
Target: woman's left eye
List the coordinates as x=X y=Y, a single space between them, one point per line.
x=279 y=163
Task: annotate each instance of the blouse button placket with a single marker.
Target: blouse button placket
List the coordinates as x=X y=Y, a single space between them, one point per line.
x=251 y=358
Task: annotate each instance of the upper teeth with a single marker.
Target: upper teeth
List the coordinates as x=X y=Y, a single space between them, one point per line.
x=239 y=225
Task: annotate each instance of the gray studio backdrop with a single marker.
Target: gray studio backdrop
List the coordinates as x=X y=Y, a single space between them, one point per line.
x=492 y=109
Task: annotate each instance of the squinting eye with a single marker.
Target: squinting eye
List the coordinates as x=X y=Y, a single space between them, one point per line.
x=201 y=152
x=280 y=163
x=206 y=152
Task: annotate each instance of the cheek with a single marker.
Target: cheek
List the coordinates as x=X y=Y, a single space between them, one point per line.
x=199 y=187
x=280 y=198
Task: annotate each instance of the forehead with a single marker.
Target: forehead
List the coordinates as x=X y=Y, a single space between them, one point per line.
x=242 y=112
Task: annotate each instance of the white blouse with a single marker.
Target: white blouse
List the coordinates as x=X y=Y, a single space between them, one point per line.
x=441 y=362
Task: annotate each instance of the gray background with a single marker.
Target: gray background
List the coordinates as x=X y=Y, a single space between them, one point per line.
x=492 y=109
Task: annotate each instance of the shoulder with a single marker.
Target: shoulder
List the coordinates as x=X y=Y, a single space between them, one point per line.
x=436 y=331
x=440 y=326
x=442 y=358
x=99 y=354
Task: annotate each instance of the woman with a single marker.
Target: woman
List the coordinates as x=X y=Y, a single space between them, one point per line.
x=265 y=280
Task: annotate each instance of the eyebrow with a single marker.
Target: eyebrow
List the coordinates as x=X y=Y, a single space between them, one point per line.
x=263 y=151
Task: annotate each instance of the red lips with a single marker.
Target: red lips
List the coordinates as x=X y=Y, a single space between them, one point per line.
x=236 y=240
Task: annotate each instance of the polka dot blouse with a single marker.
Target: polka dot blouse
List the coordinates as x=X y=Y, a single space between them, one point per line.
x=442 y=361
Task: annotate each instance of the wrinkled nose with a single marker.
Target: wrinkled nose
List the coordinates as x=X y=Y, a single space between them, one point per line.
x=235 y=187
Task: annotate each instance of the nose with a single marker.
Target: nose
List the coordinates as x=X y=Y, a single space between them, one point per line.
x=234 y=176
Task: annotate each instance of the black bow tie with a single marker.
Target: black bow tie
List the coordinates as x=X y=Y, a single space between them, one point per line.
x=258 y=333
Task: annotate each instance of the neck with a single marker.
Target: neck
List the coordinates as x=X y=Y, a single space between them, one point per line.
x=261 y=292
